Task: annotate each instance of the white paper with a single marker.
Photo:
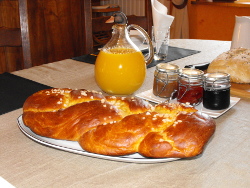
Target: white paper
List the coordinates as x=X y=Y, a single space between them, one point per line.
x=161 y=21
x=5 y=184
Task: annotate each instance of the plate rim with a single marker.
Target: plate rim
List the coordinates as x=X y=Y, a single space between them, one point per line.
x=213 y=113
x=46 y=141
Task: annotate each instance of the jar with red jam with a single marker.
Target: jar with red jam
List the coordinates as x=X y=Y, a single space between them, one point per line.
x=165 y=80
x=190 y=88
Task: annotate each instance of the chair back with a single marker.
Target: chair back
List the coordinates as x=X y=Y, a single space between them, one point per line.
x=146 y=22
x=10 y=37
x=54 y=30
x=45 y=31
x=102 y=32
x=10 y=49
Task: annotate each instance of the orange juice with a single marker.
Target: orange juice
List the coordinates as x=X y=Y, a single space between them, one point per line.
x=120 y=71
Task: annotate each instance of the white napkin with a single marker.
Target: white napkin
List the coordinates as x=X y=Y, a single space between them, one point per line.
x=161 y=21
x=5 y=184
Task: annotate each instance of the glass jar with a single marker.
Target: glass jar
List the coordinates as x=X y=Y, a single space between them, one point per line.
x=216 y=94
x=165 y=80
x=190 y=88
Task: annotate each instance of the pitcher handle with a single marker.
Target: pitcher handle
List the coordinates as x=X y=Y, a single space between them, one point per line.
x=149 y=57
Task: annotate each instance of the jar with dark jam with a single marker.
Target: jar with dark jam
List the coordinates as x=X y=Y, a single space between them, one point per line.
x=216 y=91
x=165 y=80
x=190 y=88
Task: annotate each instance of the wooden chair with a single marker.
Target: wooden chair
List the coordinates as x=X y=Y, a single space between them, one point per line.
x=10 y=41
x=10 y=37
x=146 y=22
x=47 y=31
x=54 y=30
x=11 y=56
x=101 y=31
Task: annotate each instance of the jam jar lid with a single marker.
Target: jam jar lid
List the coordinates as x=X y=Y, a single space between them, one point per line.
x=168 y=68
x=191 y=73
x=216 y=76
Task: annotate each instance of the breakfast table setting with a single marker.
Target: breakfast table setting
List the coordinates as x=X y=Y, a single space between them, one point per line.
x=143 y=111
x=30 y=160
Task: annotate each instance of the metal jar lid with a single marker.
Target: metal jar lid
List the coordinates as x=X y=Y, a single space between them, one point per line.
x=216 y=81
x=217 y=76
x=191 y=73
x=168 y=68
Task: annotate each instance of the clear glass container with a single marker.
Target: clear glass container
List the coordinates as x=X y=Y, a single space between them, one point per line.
x=190 y=89
x=216 y=95
x=166 y=80
x=120 y=67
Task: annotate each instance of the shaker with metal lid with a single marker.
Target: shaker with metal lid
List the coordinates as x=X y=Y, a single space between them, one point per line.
x=216 y=94
x=190 y=88
x=165 y=80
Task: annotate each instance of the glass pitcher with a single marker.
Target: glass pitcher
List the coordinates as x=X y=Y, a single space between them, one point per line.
x=120 y=67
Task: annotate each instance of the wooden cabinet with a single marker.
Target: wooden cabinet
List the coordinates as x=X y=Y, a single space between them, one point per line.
x=214 y=20
x=56 y=29
x=51 y=30
x=10 y=57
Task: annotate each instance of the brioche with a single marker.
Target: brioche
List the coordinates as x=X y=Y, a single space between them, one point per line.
x=235 y=62
x=66 y=114
x=186 y=137
x=118 y=125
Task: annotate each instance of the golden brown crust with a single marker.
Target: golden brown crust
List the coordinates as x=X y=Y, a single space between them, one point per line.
x=118 y=125
x=67 y=114
x=123 y=137
x=129 y=105
x=72 y=122
x=235 y=62
x=185 y=138
x=181 y=132
x=55 y=99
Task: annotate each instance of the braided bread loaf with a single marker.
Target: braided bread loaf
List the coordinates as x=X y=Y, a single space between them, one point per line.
x=118 y=125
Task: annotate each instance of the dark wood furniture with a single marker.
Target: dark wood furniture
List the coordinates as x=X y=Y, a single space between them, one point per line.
x=102 y=31
x=50 y=31
x=54 y=30
x=99 y=12
x=146 y=22
x=11 y=58
x=10 y=37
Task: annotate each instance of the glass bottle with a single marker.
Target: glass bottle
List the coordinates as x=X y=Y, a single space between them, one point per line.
x=216 y=95
x=190 y=88
x=165 y=80
x=120 y=67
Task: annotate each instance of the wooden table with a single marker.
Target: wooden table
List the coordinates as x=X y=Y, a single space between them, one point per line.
x=224 y=163
x=99 y=12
